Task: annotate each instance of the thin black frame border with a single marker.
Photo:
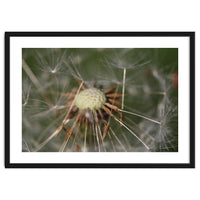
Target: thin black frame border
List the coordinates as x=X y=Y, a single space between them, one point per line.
x=190 y=35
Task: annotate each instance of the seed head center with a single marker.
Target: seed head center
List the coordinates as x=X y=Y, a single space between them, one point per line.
x=92 y=99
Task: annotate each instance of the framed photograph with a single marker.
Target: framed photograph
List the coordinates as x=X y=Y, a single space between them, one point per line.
x=99 y=99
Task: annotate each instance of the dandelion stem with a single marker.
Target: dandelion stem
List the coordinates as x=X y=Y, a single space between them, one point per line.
x=161 y=93
x=100 y=133
x=113 y=146
x=142 y=116
x=123 y=88
x=132 y=133
x=118 y=139
x=86 y=126
x=96 y=131
x=62 y=148
x=41 y=136
x=99 y=129
x=107 y=126
x=49 y=138
x=26 y=145
x=72 y=104
x=26 y=98
x=31 y=75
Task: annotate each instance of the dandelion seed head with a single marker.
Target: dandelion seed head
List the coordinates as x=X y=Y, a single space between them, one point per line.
x=92 y=99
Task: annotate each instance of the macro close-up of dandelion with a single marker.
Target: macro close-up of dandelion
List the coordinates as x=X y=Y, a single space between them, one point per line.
x=100 y=100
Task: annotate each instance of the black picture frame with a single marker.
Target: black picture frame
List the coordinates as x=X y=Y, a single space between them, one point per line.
x=190 y=35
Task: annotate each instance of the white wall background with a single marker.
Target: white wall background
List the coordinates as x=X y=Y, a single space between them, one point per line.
x=88 y=15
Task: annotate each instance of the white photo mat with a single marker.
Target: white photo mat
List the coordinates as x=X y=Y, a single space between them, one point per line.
x=16 y=45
